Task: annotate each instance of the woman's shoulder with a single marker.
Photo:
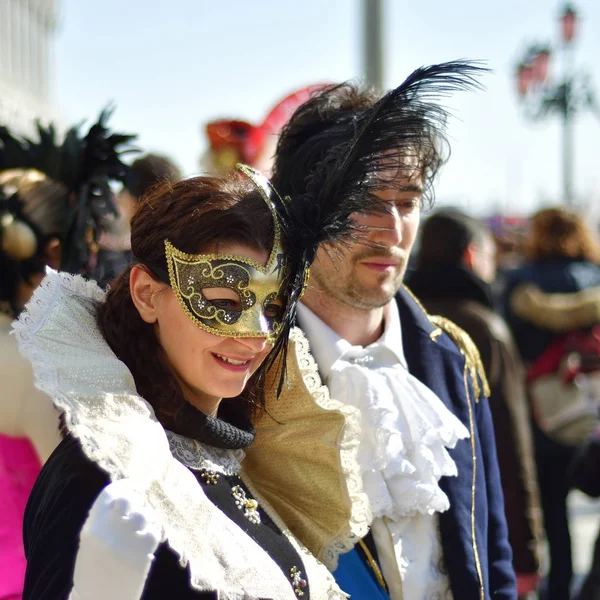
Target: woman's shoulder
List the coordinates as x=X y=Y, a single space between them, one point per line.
x=67 y=475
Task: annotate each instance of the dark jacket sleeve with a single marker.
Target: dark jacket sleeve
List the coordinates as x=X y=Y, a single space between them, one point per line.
x=502 y=578
x=510 y=415
x=57 y=508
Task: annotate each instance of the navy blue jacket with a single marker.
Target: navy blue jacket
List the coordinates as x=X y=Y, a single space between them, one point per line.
x=473 y=531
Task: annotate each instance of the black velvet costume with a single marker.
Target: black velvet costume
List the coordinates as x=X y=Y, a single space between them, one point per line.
x=66 y=489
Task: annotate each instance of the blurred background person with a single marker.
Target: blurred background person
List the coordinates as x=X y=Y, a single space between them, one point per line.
x=114 y=252
x=53 y=203
x=455 y=268
x=562 y=256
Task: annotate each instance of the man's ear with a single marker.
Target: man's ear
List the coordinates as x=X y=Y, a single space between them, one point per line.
x=469 y=255
x=143 y=288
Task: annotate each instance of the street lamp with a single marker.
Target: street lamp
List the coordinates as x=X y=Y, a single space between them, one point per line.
x=541 y=97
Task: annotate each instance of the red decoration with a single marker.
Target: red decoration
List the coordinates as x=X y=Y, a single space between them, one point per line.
x=540 y=65
x=233 y=141
x=525 y=77
x=568 y=22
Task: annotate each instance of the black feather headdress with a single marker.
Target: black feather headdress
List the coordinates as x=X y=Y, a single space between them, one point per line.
x=344 y=146
x=83 y=165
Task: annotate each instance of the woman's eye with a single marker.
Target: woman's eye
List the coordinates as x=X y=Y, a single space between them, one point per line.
x=226 y=304
x=274 y=311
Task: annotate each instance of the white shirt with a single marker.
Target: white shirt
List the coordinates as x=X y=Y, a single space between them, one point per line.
x=400 y=468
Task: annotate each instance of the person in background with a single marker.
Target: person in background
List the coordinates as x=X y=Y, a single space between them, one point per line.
x=562 y=257
x=427 y=449
x=53 y=203
x=114 y=252
x=455 y=269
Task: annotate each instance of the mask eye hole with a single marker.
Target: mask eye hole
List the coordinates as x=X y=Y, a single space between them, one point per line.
x=225 y=298
x=274 y=309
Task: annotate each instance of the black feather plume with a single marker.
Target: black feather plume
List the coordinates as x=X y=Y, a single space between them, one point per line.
x=84 y=165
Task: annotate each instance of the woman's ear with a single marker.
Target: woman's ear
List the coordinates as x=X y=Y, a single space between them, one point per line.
x=143 y=288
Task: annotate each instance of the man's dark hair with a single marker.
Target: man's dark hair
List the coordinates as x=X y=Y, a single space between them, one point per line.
x=446 y=235
x=149 y=170
x=347 y=141
x=315 y=127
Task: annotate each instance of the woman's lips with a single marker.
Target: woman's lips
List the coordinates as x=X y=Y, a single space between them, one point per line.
x=229 y=366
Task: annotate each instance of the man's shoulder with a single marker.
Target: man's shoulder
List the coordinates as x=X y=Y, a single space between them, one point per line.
x=447 y=333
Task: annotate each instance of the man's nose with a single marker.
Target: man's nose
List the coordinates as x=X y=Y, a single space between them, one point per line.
x=386 y=228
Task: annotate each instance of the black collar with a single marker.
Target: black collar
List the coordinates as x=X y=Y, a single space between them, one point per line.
x=231 y=429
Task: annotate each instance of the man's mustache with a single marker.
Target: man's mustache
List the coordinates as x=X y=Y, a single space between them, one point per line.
x=374 y=253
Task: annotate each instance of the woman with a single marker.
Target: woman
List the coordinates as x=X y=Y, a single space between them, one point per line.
x=52 y=199
x=563 y=256
x=158 y=381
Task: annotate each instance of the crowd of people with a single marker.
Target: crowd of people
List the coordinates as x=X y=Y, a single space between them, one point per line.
x=309 y=386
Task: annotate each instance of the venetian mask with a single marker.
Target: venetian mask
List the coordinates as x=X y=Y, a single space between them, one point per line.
x=257 y=286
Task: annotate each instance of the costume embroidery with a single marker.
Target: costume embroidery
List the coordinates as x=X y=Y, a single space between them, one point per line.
x=248 y=505
x=209 y=477
x=298 y=583
x=467 y=347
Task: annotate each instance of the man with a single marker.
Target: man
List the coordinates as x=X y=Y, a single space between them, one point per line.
x=455 y=269
x=114 y=253
x=427 y=450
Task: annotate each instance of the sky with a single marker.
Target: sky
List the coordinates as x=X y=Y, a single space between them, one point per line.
x=169 y=67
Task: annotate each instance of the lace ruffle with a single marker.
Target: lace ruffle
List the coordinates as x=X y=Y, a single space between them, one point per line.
x=361 y=516
x=406 y=431
x=117 y=430
x=197 y=456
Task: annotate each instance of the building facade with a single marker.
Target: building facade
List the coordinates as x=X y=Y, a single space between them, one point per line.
x=27 y=35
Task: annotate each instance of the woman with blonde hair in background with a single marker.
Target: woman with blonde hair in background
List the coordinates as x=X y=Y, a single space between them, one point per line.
x=562 y=259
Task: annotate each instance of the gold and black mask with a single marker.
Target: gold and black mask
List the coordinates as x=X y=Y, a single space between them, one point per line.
x=257 y=286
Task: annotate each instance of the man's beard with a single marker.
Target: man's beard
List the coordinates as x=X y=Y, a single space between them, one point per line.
x=353 y=292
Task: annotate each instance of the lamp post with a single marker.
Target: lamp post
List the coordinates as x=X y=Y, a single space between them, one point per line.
x=541 y=96
x=373 y=43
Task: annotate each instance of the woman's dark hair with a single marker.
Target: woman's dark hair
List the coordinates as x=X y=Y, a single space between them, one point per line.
x=192 y=214
x=561 y=233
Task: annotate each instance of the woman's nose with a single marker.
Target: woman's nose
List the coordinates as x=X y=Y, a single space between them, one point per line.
x=255 y=344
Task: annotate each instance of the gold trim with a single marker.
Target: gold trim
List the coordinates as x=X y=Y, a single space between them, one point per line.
x=436 y=332
x=469 y=350
x=265 y=187
x=466 y=369
x=374 y=566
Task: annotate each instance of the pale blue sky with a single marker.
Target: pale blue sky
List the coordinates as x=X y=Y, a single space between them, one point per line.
x=171 y=66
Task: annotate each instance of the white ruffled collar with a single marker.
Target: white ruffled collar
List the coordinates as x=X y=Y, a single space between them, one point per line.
x=117 y=429
x=405 y=428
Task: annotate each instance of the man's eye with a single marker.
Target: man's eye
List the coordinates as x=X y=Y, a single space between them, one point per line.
x=226 y=304
x=408 y=204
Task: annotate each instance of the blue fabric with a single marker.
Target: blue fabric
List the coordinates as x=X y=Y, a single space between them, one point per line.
x=355 y=577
